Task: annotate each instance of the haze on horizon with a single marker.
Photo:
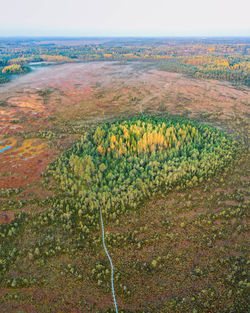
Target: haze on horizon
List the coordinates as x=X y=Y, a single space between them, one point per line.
x=124 y=18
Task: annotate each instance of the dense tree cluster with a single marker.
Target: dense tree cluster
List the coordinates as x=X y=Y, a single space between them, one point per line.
x=234 y=69
x=124 y=162
x=14 y=69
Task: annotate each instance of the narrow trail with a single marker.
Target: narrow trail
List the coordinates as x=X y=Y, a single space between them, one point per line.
x=107 y=253
x=110 y=260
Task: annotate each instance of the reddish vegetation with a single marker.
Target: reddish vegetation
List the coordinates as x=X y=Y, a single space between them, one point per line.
x=28 y=172
x=92 y=91
x=23 y=162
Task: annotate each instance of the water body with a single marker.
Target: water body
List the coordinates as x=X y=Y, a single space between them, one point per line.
x=5 y=148
x=24 y=80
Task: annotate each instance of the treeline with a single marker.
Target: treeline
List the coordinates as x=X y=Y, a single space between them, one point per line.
x=7 y=71
x=233 y=69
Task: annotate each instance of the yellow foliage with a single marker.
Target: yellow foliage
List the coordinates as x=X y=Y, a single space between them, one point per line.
x=100 y=149
x=141 y=138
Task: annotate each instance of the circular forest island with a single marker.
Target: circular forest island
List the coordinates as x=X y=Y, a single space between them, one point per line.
x=124 y=162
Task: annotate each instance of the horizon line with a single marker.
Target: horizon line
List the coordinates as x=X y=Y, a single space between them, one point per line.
x=124 y=36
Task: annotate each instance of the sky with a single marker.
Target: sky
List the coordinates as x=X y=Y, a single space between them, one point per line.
x=125 y=18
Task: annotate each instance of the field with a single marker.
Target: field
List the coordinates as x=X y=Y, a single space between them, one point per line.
x=180 y=246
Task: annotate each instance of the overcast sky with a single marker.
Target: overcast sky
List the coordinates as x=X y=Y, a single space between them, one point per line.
x=124 y=17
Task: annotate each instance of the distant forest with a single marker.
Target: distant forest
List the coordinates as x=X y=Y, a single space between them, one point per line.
x=225 y=59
